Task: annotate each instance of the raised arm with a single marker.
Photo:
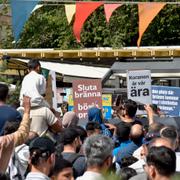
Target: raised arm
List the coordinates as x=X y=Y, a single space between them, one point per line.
x=22 y=133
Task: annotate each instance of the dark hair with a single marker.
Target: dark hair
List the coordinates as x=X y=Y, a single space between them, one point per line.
x=69 y=135
x=60 y=164
x=3 y=91
x=127 y=161
x=40 y=149
x=170 y=133
x=36 y=155
x=130 y=107
x=82 y=132
x=163 y=159
x=91 y=126
x=33 y=64
x=4 y=176
x=126 y=173
x=123 y=131
x=10 y=127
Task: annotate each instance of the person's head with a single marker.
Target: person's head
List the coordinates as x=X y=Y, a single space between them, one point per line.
x=34 y=65
x=157 y=142
x=82 y=133
x=171 y=134
x=42 y=155
x=122 y=132
x=70 y=119
x=128 y=109
x=126 y=173
x=62 y=170
x=93 y=128
x=71 y=137
x=98 y=152
x=95 y=114
x=4 y=90
x=160 y=162
x=127 y=161
x=136 y=133
x=10 y=127
x=4 y=176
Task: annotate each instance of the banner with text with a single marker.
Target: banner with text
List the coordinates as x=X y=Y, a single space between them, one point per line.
x=139 y=86
x=167 y=99
x=86 y=93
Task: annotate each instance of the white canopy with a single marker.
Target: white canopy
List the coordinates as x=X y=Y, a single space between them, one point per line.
x=73 y=70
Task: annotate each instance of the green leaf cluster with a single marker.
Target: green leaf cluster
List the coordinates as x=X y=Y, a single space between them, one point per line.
x=48 y=28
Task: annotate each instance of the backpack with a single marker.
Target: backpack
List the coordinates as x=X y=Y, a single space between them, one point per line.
x=74 y=157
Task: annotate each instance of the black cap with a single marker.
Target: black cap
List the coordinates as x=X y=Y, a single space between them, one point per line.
x=42 y=143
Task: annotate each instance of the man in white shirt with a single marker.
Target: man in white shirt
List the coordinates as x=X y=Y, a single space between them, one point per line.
x=34 y=84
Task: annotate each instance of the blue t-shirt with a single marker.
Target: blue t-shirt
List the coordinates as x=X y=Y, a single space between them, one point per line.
x=127 y=151
x=122 y=145
x=8 y=113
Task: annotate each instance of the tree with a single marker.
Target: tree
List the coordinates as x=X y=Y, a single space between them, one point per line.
x=48 y=28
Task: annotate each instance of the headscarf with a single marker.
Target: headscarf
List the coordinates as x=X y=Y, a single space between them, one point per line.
x=95 y=115
x=70 y=119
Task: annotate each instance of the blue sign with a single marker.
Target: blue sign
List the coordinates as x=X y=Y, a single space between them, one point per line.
x=167 y=99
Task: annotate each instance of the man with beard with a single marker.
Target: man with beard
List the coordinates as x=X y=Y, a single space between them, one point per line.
x=72 y=143
x=160 y=163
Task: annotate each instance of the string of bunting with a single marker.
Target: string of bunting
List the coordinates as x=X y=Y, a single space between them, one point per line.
x=81 y=10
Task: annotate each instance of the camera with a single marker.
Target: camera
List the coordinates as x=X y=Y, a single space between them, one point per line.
x=141 y=107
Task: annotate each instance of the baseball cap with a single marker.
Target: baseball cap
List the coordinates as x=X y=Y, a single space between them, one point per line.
x=42 y=143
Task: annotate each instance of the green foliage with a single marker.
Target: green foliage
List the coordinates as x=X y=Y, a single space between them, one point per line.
x=5 y=28
x=164 y=29
x=48 y=28
x=13 y=95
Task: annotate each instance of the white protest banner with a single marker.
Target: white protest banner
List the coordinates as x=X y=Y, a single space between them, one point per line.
x=139 y=86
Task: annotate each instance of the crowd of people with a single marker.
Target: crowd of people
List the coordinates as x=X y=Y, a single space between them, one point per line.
x=37 y=143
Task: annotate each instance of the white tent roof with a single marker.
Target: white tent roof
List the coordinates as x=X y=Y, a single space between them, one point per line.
x=73 y=70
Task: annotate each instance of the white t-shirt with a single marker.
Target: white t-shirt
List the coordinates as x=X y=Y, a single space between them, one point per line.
x=34 y=86
x=42 y=119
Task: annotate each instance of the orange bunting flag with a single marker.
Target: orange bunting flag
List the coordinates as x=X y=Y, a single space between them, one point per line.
x=109 y=9
x=83 y=10
x=147 y=12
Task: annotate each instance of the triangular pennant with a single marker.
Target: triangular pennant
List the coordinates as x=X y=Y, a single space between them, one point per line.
x=70 y=10
x=147 y=12
x=37 y=7
x=109 y=9
x=21 y=10
x=83 y=10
